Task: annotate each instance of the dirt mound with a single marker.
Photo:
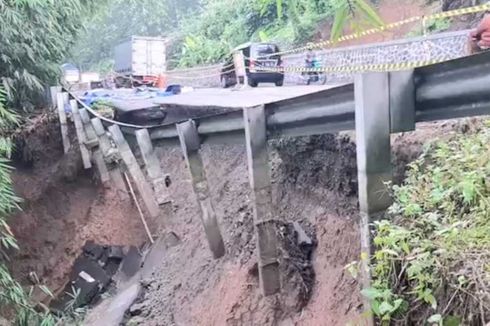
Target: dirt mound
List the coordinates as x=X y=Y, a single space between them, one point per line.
x=190 y=288
x=63 y=206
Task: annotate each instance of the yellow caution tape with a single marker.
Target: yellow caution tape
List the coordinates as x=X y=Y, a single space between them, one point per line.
x=447 y=14
x=349 y=69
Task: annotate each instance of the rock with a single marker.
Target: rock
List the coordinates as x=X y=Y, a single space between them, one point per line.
x=115 y=252
x=131 y=264
x=303 y=238
x=136 y=309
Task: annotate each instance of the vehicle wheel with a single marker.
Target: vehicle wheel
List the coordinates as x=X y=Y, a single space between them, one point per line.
x=224 y=82
x=252 y=83
x=323 y=79
x=280 y=82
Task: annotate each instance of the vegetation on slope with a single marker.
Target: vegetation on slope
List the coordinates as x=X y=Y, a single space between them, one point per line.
x=432 y=256
x=35 y=37
x=203 y=31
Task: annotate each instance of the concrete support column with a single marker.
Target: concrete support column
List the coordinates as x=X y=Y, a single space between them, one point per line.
x=77 y=120
x=260 y=182
x=92 y=143
x=152 y=165
x=54 y=90
x=190 y=143
x=135 y=172
x=63 y=123
x=372 y=100
x=111 y=158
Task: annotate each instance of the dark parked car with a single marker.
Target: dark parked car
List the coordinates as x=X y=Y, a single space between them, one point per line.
x=256 y=55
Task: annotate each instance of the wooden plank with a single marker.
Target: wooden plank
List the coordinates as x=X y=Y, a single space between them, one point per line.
x=144 y=188
x=80 y=134
x=63 y=124
x=260 y=182
x=372 y=101
x=190 y=143
x=152 y=165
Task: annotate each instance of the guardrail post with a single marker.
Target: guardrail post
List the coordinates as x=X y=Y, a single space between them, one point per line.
x=372 y=101
x=92 y=142
x=191 y=143
x=111 y=157
x=63 y=124
x=260 y=182
x=402 y=101
x=152 y=165
x=54 y=90
x=134 y=170
x=77 y=120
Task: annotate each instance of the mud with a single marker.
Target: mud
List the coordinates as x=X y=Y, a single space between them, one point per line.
x=314 y=184
x=190 y=288
x=62 y=207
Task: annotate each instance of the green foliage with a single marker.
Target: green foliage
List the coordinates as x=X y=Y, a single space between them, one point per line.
x=431 y=26
x=12 y=295
x=118 y=20
x=34 y=40
x=204 y=31
x=359 y=13
x=431 y=259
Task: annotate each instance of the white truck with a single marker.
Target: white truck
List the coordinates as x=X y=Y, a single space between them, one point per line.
x=140 y=60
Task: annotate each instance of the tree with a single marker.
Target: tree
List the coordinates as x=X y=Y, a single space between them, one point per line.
x=35 y=38
x=117 y=21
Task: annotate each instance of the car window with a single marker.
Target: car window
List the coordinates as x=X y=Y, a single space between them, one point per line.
x=264 y=49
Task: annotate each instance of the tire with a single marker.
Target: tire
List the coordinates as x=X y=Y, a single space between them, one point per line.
x=252 y=83
x=323 y=79
x=280 y=82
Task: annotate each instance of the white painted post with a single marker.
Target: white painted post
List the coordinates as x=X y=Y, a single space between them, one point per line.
x=135 y=172
x=93 y=144
x=152 y=165
x=190 y=143
x=111 y=157
x=80 y=135
x=372 y=100
x=260 y=182
x=63 y=124
x=54 y=90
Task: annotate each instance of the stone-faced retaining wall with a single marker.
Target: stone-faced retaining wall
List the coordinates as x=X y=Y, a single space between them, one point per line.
x=443 y=46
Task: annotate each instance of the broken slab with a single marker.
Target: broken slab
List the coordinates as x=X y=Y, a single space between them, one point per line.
x=112 y=310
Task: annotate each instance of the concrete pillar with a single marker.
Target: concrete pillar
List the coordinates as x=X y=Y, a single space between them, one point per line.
x=190 y=143
x=260 y=182
x=54 y=90
x=77 y=120
x=111 y=158
x=92 y=143
x=63 y=123
x=152 y=165
x=135 y=172
x=372 y=100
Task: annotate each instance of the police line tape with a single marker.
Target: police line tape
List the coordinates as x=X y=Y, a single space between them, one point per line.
x=446 y=14
x=381 y=67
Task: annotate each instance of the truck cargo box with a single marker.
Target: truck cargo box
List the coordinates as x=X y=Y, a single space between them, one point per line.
x=141 y=56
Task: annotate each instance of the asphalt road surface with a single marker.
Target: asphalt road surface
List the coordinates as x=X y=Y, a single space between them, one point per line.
x=232 y=98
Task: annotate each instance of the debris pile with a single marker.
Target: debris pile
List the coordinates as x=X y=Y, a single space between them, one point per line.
x=91 y=275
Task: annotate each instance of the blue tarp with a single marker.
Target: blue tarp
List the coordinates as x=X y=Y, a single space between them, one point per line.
x=141 y=93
